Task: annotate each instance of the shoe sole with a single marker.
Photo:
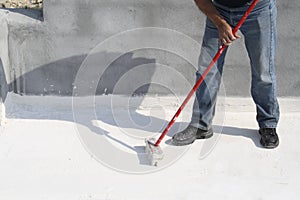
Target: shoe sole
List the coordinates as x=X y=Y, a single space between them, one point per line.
x=187 y=142
x=270 y=146
x=206 y=135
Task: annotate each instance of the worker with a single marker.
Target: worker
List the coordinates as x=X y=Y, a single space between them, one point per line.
x=259 y=32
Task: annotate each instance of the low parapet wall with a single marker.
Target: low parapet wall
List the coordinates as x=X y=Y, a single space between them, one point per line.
x=45 y=53
x=4 y=64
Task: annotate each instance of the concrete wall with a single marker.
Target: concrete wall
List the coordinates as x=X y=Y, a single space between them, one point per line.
x=4 y=64
x=46 y=53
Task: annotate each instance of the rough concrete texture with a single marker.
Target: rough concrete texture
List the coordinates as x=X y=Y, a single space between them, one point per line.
x=4 y=64
x=3 y=92
x=37 y=4
x=45 y=54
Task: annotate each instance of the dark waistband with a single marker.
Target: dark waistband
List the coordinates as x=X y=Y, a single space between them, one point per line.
x=233 y=3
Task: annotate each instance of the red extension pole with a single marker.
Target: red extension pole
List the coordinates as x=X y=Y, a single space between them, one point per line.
x=198 y=83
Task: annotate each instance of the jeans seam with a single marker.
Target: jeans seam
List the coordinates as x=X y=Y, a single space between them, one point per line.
x=272 y=67
x=201 y=127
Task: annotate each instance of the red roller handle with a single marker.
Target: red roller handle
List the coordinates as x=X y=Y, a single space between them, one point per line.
x=198 y=83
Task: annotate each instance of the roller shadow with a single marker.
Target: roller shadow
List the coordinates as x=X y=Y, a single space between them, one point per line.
x=140 y=150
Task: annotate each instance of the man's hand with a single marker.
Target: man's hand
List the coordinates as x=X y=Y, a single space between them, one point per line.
x=225 y=33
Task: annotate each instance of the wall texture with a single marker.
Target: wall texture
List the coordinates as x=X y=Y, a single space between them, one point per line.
x=45 y=53
x=36 y=4
x=4 y=64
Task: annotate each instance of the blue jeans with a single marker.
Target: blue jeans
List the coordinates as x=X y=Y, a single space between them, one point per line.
x=259 y=31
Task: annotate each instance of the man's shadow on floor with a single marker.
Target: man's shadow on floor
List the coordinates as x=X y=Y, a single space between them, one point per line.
x=240 y=132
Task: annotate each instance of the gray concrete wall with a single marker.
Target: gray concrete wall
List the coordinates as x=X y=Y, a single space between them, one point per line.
x=45 y=54
x=4 y=64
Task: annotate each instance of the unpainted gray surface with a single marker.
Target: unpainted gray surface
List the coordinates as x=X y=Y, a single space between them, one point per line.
x=4 y=64
x=45 y=55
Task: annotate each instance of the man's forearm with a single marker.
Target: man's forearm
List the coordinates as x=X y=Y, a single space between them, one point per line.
x=225 y=31
x=207 y=7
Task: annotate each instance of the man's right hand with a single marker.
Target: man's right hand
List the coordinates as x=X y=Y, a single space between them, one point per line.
x=226 y=35
x=225 y=31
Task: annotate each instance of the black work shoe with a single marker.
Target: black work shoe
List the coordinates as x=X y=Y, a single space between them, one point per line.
x=189 y=135
x=269 y=138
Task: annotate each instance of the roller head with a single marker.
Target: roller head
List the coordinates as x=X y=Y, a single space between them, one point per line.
x=154 y=154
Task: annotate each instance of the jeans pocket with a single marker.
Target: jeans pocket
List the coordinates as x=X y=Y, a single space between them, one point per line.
x=210 y=24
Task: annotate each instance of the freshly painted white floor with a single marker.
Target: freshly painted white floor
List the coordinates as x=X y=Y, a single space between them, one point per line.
x=42 y=154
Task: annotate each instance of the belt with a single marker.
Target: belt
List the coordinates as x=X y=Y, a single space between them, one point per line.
x=233 y=3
